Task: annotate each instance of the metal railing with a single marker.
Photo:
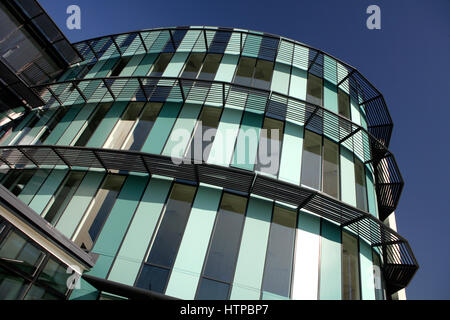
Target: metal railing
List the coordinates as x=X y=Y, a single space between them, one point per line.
x=388 y=179
x=365 y=93
x=399 y=261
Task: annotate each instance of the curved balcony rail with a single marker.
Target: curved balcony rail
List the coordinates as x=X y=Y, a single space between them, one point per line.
x=346 y=77
x=388 y=180
x=399 y=265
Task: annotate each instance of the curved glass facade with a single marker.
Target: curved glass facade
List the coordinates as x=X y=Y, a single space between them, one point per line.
x=218 y=98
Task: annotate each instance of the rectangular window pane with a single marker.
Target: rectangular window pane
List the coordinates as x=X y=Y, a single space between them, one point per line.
x=63 y=196
x=378 y=276
x=344 y=104
x=93 y=123
x=280 y=252
x=193 y=65
x=59 y=115
x=314 y=93
x=37 y=292
x=18 y=179
x=350 y=267
x=20 y=254
x=361 y=190
x=204 y=134
x=224 y=245
x=331 y=168
x=245 y=69
x=269 y=146
x=312 y=159
x=212 y=290
x=124 y=125
x=170 y=232
x=99 y=210
x=210 y=66
x=11 y=286
x=21 y=138
x=263 y=74
x=10 y=180
x=141 y=131
x=54 y=275
x=161 y=64
x=153 y=278
x=119 y=66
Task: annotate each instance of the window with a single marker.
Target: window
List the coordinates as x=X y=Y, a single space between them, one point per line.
x=280 y=252
x=22 y=137
x=63 y=196
x=244 y=73
x=314 y=91
x=378 y=276
x=172 y=225
x=27 y=272
x=270 y=146
x=118 y=68
x=20 y=254
x=92 y=124
x=98 y=211
x=330 y=179
x=59 y=115
x=220 y=42
x=210 y=66
x=54 y=275
x=361 y=189
x=344 y=104
x=153 y=278
x=312 y=160
x=17 y=180
x=350 y=267
x=161 y=258
x=161 y=64
x=193 y=65
x=204 y=134
x=263 y=74
x=145 y=124
x=37 y=292
x=254 y=72
x=176 y=37
x=11 y=286
x=224 y=246
x=10 y=179
x=212 y=290
x=83 y=72
x=124 y=125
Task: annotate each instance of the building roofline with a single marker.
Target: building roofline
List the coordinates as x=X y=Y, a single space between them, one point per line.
x=374 y=96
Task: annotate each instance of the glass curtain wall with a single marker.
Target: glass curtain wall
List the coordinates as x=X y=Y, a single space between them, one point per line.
x=156 y=269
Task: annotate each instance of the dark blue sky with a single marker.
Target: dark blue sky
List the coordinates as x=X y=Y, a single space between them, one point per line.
x=408 y=60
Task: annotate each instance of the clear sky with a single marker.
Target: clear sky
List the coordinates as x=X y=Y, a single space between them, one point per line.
x=408 y=60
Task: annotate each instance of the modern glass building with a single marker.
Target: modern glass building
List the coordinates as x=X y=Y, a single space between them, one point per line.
x=191 y=163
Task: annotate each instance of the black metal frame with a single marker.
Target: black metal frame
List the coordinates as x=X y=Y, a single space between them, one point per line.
x=31 y=279
x=26 y=214
x=388 y=180
x=15 y=90
x=41 y=34
x=400 y=264
x=379 y=119
x=123 y=290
